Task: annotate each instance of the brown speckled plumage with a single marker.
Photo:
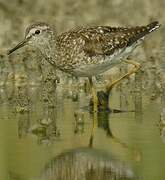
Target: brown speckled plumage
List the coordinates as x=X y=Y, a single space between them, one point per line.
x=87 y=51
x=84 y=47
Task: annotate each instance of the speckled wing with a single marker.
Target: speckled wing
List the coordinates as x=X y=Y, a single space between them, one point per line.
x=104 y=40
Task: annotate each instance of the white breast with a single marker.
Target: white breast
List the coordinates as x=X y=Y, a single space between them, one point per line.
x=103 y=64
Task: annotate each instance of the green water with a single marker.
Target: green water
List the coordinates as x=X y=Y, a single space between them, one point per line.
x=29 y=141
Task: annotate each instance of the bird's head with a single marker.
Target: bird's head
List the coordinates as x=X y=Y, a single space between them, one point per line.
x=37 y=35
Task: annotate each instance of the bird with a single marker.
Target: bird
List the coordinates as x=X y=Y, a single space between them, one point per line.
x=86 y=51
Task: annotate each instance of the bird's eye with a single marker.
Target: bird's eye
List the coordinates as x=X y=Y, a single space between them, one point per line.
x=37 y=32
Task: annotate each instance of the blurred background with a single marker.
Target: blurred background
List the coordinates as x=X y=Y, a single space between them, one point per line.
x=44 y=112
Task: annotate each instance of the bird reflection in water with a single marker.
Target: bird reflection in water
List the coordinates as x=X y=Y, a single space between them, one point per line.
x=86 y=164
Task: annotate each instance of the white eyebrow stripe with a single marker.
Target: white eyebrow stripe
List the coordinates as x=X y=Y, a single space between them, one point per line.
x=33 y=29
x=44 y=27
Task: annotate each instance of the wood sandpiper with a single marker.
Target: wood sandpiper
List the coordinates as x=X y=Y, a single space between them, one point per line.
x=87 y=51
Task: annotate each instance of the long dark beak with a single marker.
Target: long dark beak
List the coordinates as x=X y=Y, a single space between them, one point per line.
x=21 y=44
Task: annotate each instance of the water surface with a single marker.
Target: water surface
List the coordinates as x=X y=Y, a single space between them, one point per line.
x=50 y=140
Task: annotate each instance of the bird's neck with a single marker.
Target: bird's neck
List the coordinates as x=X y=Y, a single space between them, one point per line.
x=49 y=51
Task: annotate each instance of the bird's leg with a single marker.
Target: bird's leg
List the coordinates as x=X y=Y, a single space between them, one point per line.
x=95 y=110
x=94 y=95
x=133 y=70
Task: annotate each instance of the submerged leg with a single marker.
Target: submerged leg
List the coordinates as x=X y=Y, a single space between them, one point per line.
x=95 y=110
x=133 y=70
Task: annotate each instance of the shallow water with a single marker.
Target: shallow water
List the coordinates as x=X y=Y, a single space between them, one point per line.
x=43 y=141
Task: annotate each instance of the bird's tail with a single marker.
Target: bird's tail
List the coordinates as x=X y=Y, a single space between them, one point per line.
x=140 y=32
x=153 y=26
